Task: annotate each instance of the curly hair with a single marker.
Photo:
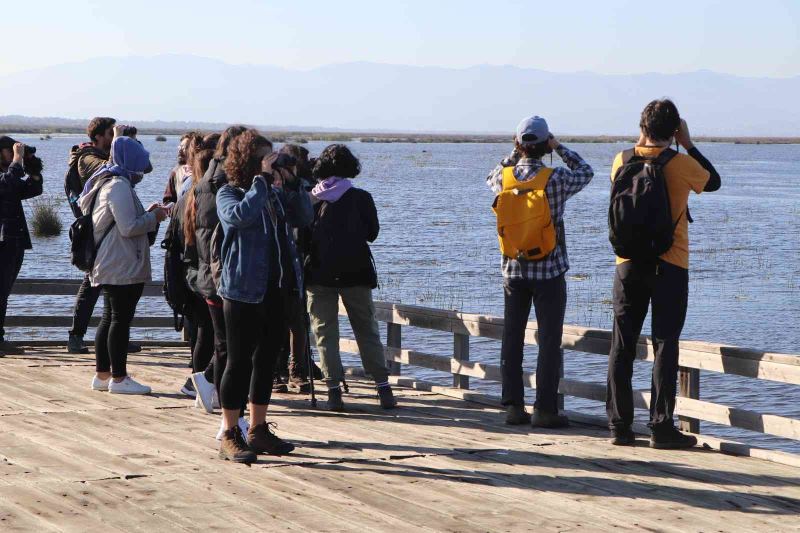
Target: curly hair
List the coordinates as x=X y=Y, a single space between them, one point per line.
x=533 y=151
x=98 y=126
x=230 y=133
x=660 y=119
x=199 y=159
x=336 y=160
x=243 y=163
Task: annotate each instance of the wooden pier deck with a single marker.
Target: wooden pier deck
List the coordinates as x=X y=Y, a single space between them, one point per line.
x=72 y=459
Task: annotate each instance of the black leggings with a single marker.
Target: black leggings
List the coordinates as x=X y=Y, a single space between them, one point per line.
x=254 y=338
x=114 y=330
x=203 y=345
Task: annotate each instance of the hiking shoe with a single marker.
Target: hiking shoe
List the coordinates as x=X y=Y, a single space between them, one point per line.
x=622 y=436
x=233 y=447
x=127 y=386
x=100 y=384
x=204 y=391
x=335 y=402
x=541 y=419
x=386 y=397
x=134 y=348
x=517 y=415
x=670 y=438
x=243 y=424
x=9 y=348
x=76 y=345
x=278 y=385
x=188 y=389
x=262 y=439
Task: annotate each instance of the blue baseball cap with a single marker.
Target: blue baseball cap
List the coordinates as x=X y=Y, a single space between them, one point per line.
x=532 y=130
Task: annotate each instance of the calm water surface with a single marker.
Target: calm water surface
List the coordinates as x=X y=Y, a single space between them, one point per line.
x=438 y=248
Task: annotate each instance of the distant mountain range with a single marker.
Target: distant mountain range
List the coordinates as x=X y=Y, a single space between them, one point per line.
x=377 y=97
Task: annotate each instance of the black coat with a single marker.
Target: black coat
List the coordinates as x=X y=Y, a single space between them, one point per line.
x=205 y=202
x=339 y=252
x=14 y=188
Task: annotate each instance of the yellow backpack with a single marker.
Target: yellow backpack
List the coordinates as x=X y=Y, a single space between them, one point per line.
x=524 y=227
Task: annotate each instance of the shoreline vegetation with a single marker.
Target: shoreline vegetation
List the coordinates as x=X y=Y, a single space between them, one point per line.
x=301 y=137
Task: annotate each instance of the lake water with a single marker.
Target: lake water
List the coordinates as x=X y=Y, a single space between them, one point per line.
x=438 y=248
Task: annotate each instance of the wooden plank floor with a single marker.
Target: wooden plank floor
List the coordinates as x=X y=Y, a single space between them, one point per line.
x=76 y=460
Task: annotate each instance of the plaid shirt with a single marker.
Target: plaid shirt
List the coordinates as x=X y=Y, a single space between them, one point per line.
x=564 y=183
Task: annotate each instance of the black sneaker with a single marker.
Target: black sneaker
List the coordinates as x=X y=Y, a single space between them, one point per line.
x=261 y=439
x=188 y=389
x=541 y=419
x=386 y=397
x=278 y=385
x=136 y=348
x=622 y=436
x=335 y=402
x=670 y=438
x=76 y=345
x=9 y=348
x=516 y=415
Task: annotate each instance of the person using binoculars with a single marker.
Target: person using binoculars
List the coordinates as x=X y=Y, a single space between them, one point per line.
x=20 y=179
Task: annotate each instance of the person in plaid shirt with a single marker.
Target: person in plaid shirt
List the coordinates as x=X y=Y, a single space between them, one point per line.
x=539 y=282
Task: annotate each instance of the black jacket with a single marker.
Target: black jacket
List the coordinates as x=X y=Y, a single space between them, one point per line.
x=14 y=189
x=205 y=202
x=340 y=254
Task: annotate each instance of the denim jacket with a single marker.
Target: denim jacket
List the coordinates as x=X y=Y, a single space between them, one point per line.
x=250 y=237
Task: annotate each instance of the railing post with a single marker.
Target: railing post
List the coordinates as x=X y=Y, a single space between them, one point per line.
x=393 y=340
x=460 y=353
x=689 y=379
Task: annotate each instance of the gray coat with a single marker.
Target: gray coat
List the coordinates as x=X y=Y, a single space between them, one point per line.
x=124 y=255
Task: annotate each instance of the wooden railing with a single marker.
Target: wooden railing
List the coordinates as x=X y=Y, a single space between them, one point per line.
x=694 y=356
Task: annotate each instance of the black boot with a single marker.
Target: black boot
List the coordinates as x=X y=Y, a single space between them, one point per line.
x=541 y=419
x=622 y=436
x=517 y=415
x=76 y=344
x=335 y=402
x=386 y=397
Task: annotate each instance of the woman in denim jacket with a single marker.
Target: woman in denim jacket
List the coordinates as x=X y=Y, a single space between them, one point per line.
x=260 y=271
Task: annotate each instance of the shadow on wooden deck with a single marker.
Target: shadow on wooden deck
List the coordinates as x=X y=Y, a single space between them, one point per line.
x=77 y=460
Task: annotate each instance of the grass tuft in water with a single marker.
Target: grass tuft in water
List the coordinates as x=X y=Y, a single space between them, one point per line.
x=46 y=221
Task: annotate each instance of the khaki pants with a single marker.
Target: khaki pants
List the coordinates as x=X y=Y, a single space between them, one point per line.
x=323 y=307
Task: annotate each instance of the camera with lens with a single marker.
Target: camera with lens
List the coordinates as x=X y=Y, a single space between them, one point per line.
x=29 y=151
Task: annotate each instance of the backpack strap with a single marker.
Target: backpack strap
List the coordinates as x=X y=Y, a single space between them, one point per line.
x=665 y=157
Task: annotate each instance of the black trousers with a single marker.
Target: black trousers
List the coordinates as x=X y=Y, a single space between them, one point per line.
x=85 y=301
x=549 y=299
x=114 y=330
x=12 y=253
x=636 y=287
x=254 y=335
x=203 y=345
x=294 y=338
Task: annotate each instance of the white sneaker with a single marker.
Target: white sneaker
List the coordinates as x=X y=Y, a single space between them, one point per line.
x=244 y=425
x=205 y=391
x=127 y=386
x=100 y=384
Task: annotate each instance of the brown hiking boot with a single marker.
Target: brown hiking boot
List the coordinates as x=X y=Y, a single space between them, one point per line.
x=234 y=448
x=261 y=439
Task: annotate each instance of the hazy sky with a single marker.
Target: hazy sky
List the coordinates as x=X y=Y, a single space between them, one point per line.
x=742 y=37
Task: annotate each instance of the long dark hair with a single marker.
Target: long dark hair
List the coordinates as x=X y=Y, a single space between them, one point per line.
x=199 y=158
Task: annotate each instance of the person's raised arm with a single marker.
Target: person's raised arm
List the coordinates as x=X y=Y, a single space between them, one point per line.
x=495 y=178
x=242 y=213
x=123 y=208
x=683 y=138
x=578 y=173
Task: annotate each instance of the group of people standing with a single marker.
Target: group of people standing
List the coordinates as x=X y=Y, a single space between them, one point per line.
x=263 y=244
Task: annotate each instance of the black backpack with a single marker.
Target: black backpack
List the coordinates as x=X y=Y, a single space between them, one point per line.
x=640 y=224
x=83 y=250
x=176 y=290
x=72 y=184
